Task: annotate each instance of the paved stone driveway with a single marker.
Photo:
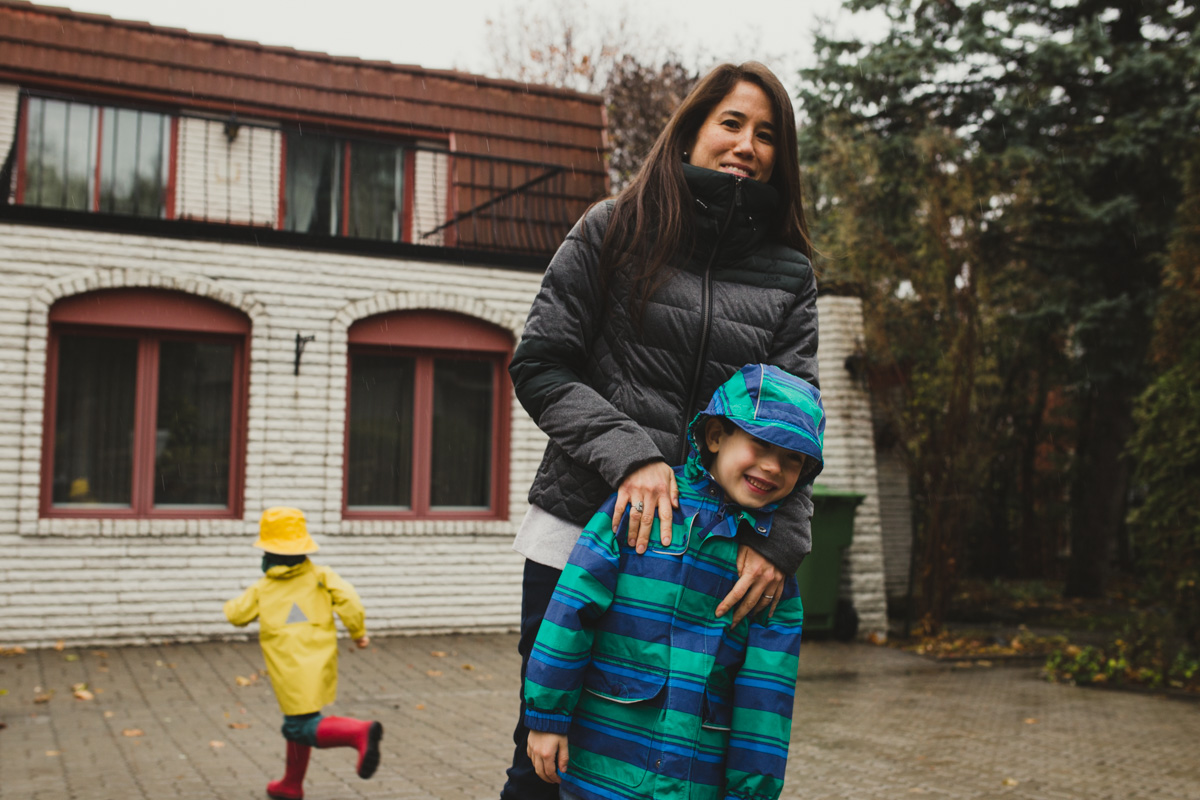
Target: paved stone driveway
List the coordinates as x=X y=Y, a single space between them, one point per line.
x=871 y=724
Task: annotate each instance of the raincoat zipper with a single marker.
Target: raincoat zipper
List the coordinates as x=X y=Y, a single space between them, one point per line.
x=706 y=318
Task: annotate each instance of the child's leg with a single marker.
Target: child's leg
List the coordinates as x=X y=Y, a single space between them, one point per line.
x=300 y=732
x=362 y=735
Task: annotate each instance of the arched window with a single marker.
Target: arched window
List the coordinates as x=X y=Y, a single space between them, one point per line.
x=427 y=417
x=145 y=406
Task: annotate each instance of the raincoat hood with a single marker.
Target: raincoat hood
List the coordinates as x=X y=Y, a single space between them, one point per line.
x=771 y=405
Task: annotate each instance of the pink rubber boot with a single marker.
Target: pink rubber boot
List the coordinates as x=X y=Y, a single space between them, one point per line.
x=291 y=785
x=361 y=735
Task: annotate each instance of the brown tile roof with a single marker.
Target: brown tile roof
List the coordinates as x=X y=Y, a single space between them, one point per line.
x=58 y=49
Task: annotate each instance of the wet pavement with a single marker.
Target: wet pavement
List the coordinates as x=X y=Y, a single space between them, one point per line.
x=200 y=721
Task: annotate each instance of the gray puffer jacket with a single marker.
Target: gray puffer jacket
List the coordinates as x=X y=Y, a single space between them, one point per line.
x=613 y=396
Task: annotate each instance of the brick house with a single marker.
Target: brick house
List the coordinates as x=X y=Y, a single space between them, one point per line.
x=237 y=276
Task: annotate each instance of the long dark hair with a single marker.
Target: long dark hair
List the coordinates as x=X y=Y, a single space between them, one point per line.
x=652 y=222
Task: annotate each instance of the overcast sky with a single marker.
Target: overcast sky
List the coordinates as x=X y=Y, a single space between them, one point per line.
x=451 y=34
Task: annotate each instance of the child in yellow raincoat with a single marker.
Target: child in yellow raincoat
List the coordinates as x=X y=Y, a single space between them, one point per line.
x=294 y=605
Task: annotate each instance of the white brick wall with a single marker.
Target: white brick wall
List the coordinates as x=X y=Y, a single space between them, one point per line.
x=9 y=100
x=225 y=181
x=430 y=195
x=850 y=457
x=137 y=580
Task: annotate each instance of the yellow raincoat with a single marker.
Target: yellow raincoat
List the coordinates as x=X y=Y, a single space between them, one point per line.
x=294 y=607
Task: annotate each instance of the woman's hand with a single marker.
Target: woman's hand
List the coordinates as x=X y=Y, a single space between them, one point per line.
x=548 y=752
x=759 y=584
x=646 y=490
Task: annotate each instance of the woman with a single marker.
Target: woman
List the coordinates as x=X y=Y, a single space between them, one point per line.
x=700 y=266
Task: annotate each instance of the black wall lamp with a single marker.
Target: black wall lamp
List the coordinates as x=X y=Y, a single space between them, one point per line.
x=301 y=342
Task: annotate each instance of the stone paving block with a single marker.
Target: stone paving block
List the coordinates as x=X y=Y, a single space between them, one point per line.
x=870 y=724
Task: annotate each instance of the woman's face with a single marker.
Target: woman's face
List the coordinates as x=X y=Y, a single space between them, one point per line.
x=738 y=136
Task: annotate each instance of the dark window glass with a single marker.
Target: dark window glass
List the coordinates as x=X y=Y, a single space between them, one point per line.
x=195 y=413
x=462 y=434
x=381 y=432
x=60 y=154
x=93 y=426
x=313 y=185
x=376 y=182
x=133 y=162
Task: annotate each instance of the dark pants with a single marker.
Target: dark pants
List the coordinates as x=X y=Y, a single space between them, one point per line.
x=302 y=728
x=536 y=588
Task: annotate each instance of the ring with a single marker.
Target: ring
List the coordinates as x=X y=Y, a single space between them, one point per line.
x=638 y=506
x=769 y=596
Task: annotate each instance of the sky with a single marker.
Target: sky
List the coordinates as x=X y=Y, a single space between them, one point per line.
x=452 y=34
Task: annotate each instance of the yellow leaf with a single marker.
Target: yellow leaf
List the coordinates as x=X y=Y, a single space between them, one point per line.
x=433 y=673
x=71 y=657
x=109 y=714
x=244 y=681
x=239 y=726
x=214 y=744
x=420 y=706
x=44 y=697
x=1031 y=721
x=99 y=654
x=59 y=645
x=12 y=651
x=75 y=687
x=1099 y=677
x=438 y=653
x=84 y=694
x=467 y=667
x=1010 y=782
x=53 y=753
x=131 y=732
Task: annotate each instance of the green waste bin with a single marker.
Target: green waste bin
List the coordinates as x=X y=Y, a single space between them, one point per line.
x=820 y=576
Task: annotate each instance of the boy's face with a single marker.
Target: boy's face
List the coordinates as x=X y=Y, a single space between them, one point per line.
x=752 y=472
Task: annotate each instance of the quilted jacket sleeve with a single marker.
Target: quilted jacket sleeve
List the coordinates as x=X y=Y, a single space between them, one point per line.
x=549 y=366
x=793 y=349
x=563 y=647
x=763 y=695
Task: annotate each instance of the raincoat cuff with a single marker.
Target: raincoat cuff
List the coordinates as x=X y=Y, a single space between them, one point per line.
x=547 y=723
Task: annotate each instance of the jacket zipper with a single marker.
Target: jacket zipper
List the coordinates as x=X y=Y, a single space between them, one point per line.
x=706 y=317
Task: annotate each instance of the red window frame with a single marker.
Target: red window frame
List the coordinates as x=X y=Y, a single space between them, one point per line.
x=345 y=144
x=94 y=204
x=151 y=316
x=426 y=335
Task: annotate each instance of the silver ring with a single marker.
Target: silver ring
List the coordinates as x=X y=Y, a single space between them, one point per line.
x=639 y=506
x=769 y=596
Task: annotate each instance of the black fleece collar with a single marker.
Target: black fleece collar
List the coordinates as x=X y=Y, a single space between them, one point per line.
x=754 y=207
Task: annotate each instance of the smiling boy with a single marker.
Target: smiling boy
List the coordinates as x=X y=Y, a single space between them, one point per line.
x=636 y=689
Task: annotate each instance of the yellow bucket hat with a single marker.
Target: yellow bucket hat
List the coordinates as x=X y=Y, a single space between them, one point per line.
x=282 y=531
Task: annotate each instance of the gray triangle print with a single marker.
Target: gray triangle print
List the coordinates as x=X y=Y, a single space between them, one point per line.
x=296 y=615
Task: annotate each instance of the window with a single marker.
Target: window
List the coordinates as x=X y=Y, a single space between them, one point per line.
x=427 y=429
x=341 y=187
x=145 y=406
x=84 y=157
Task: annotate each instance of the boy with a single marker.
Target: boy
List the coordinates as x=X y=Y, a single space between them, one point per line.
x=294 y=603
x=635 y=689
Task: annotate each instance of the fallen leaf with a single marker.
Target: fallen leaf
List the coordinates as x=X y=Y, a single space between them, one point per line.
x=44 y=697
x=216 y=745
x=158 y=663
x=1031 y=721
x=54 y=752
x=59 y=645
x=99 y=654
x=420 y=706
x=226 y=715
x=75 y=687
x=12 y=651
x=3 y=692
x=170 y=665
x=84 y=694
x=1010 y=782
x=983 y=663
x=467 y=667
x=239 y=726
x=71 y=657
x=131 y=732
x=438 y=653
x=109 y=714
x=877 y=637
x=433 y=673
x=246 y=681
x=1099 y=677
x=102 y=668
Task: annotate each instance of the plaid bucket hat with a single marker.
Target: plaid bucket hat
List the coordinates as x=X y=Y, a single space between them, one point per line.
x=774 y=406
